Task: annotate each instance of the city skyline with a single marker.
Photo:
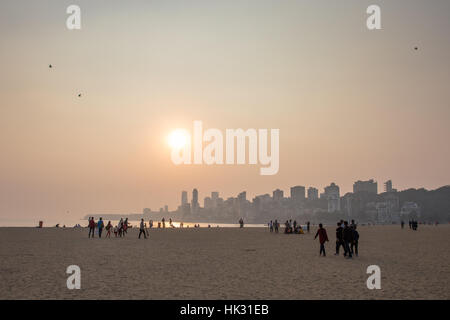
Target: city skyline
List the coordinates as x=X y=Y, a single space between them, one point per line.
x=364 y=205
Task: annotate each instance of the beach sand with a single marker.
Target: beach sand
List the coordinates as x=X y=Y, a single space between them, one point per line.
x=223 y=263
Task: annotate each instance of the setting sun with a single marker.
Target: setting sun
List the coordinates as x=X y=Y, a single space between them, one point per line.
x=178 y=138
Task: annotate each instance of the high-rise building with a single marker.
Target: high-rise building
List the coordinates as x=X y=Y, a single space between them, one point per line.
x=194 y=203
x=313 y=193
x=214 y=198
x=207 y=203
x=368 y=186
x=298 y=193
x=332 y=194
x=388 y=186
x=184 y=198
x=278 y=195
x=242 y=197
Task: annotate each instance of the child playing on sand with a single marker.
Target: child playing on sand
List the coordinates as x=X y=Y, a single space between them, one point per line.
x=322 y=233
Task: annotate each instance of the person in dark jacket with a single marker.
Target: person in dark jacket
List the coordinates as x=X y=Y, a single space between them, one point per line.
x=339 y=238
x=354 y=248
x=91 y=227
x=348 y=239
x=142 y=229
x=322 y=233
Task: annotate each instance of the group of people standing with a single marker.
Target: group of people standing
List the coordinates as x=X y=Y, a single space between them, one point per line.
x=346 y=236
x=289 y=226
x=413 y=224
x=119 y=230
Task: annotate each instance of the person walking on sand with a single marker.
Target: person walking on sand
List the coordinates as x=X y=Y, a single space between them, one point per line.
x=347 y=235
x=354 y=248
x=163 y=222
x=91 y=227
x=142 y=229
x=276 y=225
x=323 y=237
x=308 y=226
x=108 y=229
x=403 y=224
x=100 y=227
x=271 y=226
x=120 y=227
x=339 y=238
x=125 y=226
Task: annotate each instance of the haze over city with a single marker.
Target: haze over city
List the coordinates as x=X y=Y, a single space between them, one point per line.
x=351 y=104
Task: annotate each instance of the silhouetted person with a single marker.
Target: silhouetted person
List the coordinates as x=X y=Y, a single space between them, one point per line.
x=120 y=227
x=142 y=229
x=308 y=226
x=322 y=233
x=276 y=226
x=100 y=227
x=91 y=227
x=108 y=229
x=339 y=238
x=125 y=226
x=348 y=239
x=354 y=247
x=403 y=224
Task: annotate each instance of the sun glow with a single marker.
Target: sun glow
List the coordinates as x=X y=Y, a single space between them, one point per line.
x=178 y=138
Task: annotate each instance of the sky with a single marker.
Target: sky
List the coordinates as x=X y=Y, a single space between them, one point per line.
x=350 y=103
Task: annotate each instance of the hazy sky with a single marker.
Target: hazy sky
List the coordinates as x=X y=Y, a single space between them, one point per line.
x=350 y=103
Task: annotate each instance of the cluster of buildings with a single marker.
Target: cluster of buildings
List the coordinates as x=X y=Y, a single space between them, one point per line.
x=363 y=204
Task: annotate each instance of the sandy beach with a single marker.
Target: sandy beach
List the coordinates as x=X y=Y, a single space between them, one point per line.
x=223 y=263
